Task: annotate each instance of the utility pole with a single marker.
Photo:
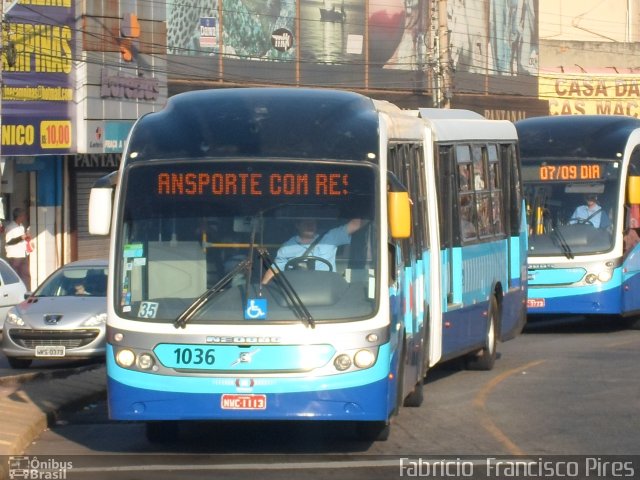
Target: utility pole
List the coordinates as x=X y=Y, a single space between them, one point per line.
x=444 y=57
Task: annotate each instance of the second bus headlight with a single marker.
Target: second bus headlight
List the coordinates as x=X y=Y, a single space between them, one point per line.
x=342 y=362
x=364 y=358
x=605 y=276
x=145 y=361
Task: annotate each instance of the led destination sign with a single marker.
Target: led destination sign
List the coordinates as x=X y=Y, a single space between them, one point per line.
x=254 y=184
x=570 y=172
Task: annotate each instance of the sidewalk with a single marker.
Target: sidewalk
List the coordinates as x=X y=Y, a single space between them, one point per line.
x=27 y=407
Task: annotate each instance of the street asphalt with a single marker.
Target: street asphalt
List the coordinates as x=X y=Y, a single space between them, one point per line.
x=29 y=402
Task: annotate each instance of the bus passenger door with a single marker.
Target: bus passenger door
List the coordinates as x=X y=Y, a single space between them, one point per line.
x=631 y=259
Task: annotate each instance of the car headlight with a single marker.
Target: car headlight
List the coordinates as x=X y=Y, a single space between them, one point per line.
x=96 y=320
x=13 y=319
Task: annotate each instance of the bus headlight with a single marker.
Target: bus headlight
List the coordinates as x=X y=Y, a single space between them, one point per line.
x=145 y=361
x=125 y=358
x=342 y=362
x=605 y=276
x=364 y=358
x=591 y=279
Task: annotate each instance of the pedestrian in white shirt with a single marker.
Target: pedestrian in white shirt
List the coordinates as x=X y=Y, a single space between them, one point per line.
x=18 y=245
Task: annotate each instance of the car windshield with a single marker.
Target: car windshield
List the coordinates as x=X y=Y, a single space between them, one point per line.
x=75 y=281
x=199 y=247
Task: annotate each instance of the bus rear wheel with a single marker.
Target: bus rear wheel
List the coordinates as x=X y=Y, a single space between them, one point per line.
x=485 y=359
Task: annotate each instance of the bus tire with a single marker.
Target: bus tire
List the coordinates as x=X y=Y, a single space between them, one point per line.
x=400 y=378
x=373 y=431
x=416 y=397
x=162 y=432
x=486 y=358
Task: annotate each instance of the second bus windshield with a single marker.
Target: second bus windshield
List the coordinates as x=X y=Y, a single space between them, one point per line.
x=572 y=206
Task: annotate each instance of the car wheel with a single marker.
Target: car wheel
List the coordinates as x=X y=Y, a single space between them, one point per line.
x=19 y=362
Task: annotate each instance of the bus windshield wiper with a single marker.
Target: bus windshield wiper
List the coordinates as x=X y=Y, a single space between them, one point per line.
x=566 y=249
x=297 y=304
x=199 y=302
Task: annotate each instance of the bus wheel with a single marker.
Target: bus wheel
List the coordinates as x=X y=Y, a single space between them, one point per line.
x=415 y=398
x=162 y=432
x=486 y=358
x=373 y=431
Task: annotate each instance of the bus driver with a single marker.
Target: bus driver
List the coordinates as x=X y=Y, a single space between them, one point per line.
x=591 y=213
x=324 y=247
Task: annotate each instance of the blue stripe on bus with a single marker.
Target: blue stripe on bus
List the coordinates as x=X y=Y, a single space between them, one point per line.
x=577 y=300
x=556 y=276
x=355 y=403
x=211 y=384
x=483 y=265
x=144 y=396
x=269 y=358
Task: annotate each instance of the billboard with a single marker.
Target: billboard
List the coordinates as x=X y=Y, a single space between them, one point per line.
x=593 y=93
x=37 y=78
x=358 y=44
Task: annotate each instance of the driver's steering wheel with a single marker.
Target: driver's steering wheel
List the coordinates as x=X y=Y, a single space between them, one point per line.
x=584 y=221
x=304 y=263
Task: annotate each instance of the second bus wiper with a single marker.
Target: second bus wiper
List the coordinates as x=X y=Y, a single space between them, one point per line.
x=566 y=249
x=297 y=304
x=199 y=302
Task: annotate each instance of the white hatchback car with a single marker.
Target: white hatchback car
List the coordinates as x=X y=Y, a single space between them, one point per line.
x=63 y=319
x=12 y=289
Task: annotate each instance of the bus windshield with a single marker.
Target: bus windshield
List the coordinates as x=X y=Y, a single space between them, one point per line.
x=571 y=206
x=200 y=237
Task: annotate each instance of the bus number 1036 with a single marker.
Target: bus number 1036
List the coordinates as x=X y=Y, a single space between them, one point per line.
x=194 y=356
x=570 y=172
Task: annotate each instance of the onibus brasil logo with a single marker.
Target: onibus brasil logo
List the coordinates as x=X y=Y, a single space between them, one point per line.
x=37 y=468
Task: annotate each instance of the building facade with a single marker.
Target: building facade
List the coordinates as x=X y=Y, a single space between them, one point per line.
x=77 y=74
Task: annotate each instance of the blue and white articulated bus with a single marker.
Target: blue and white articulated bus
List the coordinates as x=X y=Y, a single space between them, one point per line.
x=581 y=175
x=483 y=231
x=205 y=319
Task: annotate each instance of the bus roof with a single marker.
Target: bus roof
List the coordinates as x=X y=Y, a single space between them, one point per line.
x=449 y=113
x=261 y=122
x=465 y=125
x=575 y=136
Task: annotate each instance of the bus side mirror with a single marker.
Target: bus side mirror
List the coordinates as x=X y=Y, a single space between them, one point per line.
x=399 y=213
x=633 y=190
x=100 y=207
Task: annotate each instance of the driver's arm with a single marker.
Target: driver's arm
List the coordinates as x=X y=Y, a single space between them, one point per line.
x=280 y=261
x=355 y=224
x=268 y=275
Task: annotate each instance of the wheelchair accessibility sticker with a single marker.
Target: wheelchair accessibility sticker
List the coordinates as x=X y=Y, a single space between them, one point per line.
x=256 y=309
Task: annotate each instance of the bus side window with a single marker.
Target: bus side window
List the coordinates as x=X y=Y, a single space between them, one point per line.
x=479 y=174
x=465 y=176
x=467 y=217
